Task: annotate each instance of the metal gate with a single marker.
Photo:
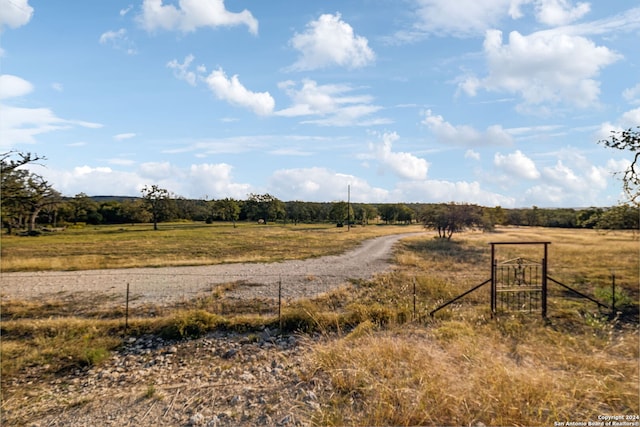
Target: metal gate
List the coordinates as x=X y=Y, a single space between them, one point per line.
x=519 y=284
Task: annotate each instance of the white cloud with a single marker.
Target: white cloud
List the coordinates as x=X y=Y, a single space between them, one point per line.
x=470 y=18
x=232 y=91
x=632 y=94
x=123 y=136
x=404 y=165
x=126 y=10
x=461 y=18
x=118 y=40
x=330 y=41
x=629 y=119
x=516 y=164
x=544 y=67
x=182 y=72
x=13 y=86
x=563 y=176
x=320 y=184
x=471 y=154
x=335 y=103
x=58 y=87
x=22 y=125
x=215 y=182
x=191 y=15
x=14 y=13
x=447 y=133
x=560 y=12
x=435 y=191
x=195 y=181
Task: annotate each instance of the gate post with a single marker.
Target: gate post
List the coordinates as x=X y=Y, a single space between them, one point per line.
x=493 y=280
x=544 y=281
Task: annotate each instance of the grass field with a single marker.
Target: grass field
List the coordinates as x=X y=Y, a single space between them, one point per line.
x=179 y=244
x=388 y=364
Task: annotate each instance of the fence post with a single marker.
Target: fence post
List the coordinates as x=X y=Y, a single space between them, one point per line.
x=280 y=303
x=414 y=298
x=126 y=312
x=613 y=293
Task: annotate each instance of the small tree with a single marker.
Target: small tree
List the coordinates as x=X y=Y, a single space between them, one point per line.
x=628 y=140
x=340 y=212
x=265 y=207
x=448 y=219
x=227 y=209
x=156 y=199
x=82 y=205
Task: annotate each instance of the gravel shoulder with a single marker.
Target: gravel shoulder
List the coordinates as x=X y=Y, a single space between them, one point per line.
x=299 y=278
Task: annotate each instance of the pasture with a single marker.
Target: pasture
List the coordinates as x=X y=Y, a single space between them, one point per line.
x=384 y=362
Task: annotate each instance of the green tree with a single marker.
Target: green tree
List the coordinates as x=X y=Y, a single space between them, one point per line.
x=621 y=217
x=227 y=209
x=451 y=218
x=265 y=207
x=24 y=194
x=135 y=210
x=82 y=205
x=628 y=139
x=156 y=199
x=340 y=213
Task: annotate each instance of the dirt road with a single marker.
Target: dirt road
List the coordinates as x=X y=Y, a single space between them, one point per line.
x=299 y=278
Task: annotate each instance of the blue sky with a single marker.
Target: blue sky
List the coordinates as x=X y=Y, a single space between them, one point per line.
x=495 y=102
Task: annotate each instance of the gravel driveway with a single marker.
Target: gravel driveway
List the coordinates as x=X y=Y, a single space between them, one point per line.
x=299 y=278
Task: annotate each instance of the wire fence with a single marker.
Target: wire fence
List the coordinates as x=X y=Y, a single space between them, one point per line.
x=151 y=293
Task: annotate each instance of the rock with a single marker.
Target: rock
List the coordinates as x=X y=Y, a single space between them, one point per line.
x=229 y=353
x=196 y=419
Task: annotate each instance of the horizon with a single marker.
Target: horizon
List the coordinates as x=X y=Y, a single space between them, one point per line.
x=424 y=101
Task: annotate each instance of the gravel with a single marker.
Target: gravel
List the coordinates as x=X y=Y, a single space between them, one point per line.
x=299 y=278
x=223 y=379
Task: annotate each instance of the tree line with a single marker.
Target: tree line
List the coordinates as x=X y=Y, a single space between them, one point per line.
x=30 y=205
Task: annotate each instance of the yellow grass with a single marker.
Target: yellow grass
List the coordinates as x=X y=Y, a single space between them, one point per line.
x=378 y=367
x=180 y=244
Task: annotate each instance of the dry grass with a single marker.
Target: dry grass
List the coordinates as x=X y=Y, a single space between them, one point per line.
x=378 y=367
x=459 y=373
x=465 y=368
x=179 y=244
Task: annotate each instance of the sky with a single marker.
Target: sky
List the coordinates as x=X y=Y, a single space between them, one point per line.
x=493 y=102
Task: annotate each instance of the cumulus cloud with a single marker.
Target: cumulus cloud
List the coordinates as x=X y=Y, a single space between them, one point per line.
x=13 y=86
x=544 y=67
x=471 y=154
x=436 y=191
x=320 y=184
x=462 y=18
x=215 y=181
x=14 y=13
x=329 y=41
x=403 y=165
x=627 y=120
x=191 y=15
x=463 y=135
x=336 y=104
x=232 y=91
x=517 y=165
x=181 y=70
x=470 y=18
x=560 y=12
